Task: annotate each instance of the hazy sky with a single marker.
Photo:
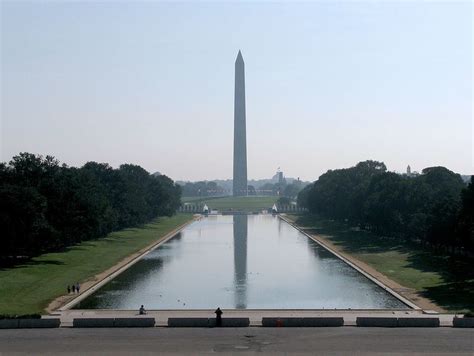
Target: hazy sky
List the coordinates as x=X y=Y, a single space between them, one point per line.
x=327 y=84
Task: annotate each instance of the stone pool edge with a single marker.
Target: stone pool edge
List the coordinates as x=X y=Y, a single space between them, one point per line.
x=118 y=268
x=372 y=278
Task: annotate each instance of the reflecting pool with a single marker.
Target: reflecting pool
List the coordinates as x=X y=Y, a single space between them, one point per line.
x=240 y=262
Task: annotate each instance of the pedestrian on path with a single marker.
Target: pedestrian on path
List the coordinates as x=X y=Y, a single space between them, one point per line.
x=77 y=287
x=218 y=316
x=68 y=289
x=74 y=288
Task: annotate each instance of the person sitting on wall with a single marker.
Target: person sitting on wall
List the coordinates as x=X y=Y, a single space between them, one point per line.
x=142 y=310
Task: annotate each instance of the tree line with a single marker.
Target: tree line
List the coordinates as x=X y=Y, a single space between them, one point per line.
x=202 y=189
x=45 y=206
x=435 y=208
x=211 y=188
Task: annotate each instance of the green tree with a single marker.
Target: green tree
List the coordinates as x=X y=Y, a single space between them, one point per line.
x=466 y=217
x=45 y=206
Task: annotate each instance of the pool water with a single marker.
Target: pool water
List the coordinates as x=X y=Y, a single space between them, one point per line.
x=240 y=262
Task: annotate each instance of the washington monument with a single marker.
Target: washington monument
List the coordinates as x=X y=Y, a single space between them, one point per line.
x=240 y=135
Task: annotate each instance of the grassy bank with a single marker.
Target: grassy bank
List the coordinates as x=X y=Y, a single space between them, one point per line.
x=29 y=288
x=197 y=200
x=446 y=281
x=250 y=203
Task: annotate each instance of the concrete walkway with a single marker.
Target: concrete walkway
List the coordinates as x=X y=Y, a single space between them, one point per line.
x=242 y=341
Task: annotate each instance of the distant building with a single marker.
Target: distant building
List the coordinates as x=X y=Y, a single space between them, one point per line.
x=279 y=177
x=411 y=173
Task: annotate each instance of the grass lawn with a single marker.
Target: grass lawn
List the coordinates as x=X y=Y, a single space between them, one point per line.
x=447 y=281
x=196 y=200
x=29 y=288
x=250 y=203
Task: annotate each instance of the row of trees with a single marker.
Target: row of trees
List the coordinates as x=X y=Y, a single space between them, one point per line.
x=435 y=207
x=202 y=189
x=208 y=189
x=46 y=206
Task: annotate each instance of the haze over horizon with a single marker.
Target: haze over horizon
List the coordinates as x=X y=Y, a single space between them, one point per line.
x=327 y=85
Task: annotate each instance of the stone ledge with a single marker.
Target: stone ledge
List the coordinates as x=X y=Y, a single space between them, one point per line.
x=93 y=323
x=113 y=322
x=392 y=322
x=134 y=322
x=29 y=323
x=303 y=322
x=388 y=322
x=188 y=322
x=463 y=322
x=418 y=322
x=207 y=322
x=9 y=323
x=231 y=322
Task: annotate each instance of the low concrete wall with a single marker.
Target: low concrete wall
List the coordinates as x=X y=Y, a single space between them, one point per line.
x=29 y=323
x=231 y=322
x=93 y=323
x=134 y=322
x=207 y=322
x=39 y=323
x=303 y=322
x=391 y=322
x=418 y=322
x=463 y=322
x=113 y=322
x=9 y=323
x=377 y=322
x=188 y=322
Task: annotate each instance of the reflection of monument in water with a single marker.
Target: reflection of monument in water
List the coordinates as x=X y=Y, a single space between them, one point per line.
x=240 y=260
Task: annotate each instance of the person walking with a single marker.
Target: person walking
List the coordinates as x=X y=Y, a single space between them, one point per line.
x=68 y=289
x=218 y=316
x=77 y=287
x=74 y=288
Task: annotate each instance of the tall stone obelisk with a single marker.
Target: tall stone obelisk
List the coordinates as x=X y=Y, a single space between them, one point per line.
x=240 y=135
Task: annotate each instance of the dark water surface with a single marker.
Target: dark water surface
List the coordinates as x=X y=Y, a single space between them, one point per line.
x=240 y=262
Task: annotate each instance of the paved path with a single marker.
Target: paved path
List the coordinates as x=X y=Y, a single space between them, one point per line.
x=242 y=341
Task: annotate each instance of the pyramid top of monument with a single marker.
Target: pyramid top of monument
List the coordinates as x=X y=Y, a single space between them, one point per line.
x=239 y=57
